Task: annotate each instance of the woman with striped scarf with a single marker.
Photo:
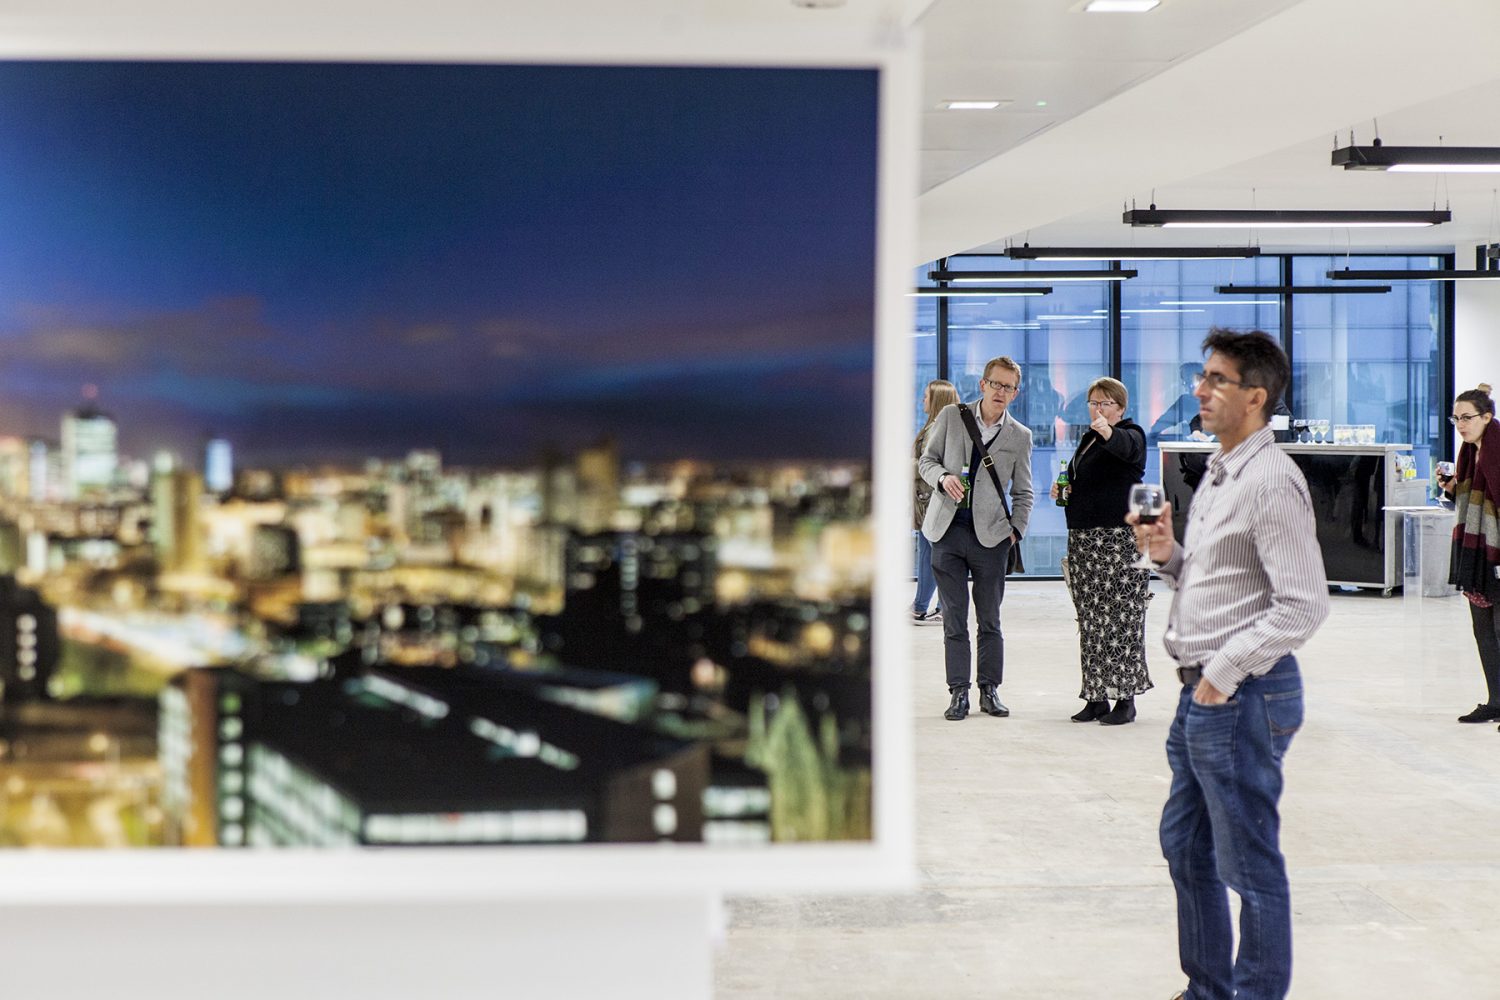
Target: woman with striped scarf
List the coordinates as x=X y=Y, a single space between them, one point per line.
x=1475 y=559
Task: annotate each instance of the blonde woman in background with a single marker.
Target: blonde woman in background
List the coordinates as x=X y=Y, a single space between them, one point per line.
x=939 y=393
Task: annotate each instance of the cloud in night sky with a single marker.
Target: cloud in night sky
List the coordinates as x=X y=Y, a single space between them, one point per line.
x=329 y=262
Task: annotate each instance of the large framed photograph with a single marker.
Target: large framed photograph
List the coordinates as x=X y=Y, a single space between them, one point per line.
x=433 y=471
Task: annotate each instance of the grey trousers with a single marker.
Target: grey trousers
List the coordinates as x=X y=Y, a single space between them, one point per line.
x=955 y=557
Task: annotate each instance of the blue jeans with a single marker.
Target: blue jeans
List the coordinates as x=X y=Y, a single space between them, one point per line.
x=926 y=582
x=1220 y=827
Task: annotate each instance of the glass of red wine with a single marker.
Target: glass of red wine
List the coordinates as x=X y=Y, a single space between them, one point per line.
x=1146 y=501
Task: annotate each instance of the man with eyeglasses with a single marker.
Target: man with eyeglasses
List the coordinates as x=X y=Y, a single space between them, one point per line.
x=972 y=528
x=1249 y=589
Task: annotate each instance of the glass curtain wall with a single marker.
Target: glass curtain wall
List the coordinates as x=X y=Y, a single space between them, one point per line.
x=925 y=344
x=1061 y=342
x=1165 y=312
x=1356 y=359
x=1372 y=359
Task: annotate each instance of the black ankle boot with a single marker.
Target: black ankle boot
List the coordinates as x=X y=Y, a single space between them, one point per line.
x=1091 y=711
x=958 y=708
x=989 y=702
x=1123 y=712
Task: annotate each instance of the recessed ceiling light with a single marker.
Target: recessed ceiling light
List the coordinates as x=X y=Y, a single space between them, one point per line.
x=1041 y=104
x=973 y=105
x=1120 y=6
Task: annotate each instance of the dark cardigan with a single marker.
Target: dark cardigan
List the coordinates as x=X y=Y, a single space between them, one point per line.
x=1472 y=561
x=1101 y=473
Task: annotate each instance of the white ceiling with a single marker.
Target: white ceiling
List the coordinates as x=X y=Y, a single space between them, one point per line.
x=1208 y=103
x=1211 y=105
x=1051 y=61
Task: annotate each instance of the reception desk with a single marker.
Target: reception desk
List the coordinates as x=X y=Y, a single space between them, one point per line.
x=1351 y=485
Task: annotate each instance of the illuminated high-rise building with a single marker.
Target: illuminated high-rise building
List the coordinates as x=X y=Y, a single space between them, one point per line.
x=398 y=756
x=29 y=644
x=177 y=531
x=218 y=465
x=39 y=464
x=422 y=494
x=14 y=469
x=597 y=470
x=89 y=451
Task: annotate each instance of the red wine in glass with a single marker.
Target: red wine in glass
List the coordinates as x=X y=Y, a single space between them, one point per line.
x=1147 y=500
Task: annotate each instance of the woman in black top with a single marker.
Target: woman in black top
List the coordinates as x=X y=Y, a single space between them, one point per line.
x=1109 y=593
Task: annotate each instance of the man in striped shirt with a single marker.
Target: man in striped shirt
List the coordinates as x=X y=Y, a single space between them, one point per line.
x=1250 y=589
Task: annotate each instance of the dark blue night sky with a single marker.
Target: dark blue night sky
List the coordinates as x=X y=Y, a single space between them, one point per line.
x=324 y=262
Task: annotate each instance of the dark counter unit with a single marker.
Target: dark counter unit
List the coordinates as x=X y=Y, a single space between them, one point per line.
x=1351 y=486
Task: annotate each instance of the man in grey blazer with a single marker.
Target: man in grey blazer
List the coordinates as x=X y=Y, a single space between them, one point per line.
x=969 y=531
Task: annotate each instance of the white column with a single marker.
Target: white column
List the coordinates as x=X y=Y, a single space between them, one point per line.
x=1476 y=336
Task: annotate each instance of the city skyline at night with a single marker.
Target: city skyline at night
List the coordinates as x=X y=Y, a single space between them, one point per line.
x=435 y=454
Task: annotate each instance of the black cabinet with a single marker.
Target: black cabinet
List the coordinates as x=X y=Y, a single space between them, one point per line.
x=1350 y=487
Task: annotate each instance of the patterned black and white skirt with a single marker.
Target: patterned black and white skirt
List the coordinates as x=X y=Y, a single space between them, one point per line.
x=1110 y=596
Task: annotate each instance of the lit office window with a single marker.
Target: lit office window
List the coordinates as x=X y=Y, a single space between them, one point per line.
x=1356 y=359
x=1061 y=342
x=925 y=344
x=1372 y=359
x=1165 y=312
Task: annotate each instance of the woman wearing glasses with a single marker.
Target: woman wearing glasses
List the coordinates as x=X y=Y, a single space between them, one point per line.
x=1109 y=594
x=1475 y=488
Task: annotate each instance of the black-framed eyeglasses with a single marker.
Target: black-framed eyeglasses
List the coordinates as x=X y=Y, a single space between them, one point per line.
x=999 y=386
x=1099 y=404
x=1462 y=418
x=1217 y=381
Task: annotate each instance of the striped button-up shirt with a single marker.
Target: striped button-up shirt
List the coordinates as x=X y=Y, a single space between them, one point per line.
x=1249 y=575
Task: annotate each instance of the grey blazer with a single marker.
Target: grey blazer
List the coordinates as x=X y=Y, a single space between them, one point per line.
x=947 y=453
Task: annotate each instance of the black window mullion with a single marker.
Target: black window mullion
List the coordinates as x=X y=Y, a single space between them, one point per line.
x=942 y=328
x=1445 y=359
x=1288 y=309
x=1114 y=362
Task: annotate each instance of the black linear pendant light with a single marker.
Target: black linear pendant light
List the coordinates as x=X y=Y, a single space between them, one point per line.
x=1420 y=159
x=1130 y=253
x=1440 y=274
x=1301 y=289
x=1198 y=218
x=1110 y=274
x=1486 y=268
x=978 y=292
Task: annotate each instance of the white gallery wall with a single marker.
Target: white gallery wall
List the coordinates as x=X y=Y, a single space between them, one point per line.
x=1476 y=333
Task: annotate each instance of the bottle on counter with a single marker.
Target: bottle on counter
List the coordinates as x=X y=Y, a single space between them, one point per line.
x=1063 y=488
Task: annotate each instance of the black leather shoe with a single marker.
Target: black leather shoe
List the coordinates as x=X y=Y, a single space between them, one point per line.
x=1091 y=711
x=1482 y=713
x=989 y=702
x=1123 y=712
x=958 y=708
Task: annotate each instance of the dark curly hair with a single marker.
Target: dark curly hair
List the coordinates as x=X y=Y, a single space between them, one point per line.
x=1259 y=358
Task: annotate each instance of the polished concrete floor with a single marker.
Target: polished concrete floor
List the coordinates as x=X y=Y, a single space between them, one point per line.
x=1040 y=874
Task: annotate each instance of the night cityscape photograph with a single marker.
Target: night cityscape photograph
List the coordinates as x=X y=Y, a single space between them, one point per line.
x=435 y=454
